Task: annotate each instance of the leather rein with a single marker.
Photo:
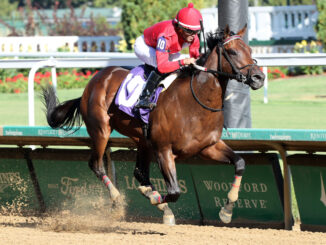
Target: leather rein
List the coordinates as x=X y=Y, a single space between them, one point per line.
x=237 y=75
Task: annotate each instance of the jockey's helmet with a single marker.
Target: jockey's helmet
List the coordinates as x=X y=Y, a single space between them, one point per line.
x=189 y=18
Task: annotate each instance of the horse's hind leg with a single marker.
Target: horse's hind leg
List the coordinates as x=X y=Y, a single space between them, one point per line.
x=221 y=152
x=99 y=132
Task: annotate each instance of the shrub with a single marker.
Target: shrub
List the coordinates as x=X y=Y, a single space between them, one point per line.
x=305 y=47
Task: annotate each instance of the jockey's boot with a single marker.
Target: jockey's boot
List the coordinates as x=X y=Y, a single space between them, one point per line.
x=151 y=83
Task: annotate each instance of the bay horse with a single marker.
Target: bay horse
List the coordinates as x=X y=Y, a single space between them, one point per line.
x=187 y=121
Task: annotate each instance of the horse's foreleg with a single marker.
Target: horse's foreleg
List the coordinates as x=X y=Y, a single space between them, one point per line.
x=167 y=166
x=100 y=137
x=141 y=173
x=221 y=152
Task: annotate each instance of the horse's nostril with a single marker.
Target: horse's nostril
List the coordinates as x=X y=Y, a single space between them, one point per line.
x=258 y=77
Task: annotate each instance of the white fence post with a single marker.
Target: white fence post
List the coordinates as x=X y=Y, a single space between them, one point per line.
x=31 y=75
x=265 y=71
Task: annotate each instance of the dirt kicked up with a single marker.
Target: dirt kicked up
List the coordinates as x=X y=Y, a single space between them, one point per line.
x=105 y=224
x=67 y=228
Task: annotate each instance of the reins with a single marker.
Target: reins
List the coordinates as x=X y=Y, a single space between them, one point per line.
x=198 y=101
x=237 y=75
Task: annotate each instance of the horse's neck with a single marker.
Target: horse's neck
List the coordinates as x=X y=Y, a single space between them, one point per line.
x=209 y=90
x=219 y=82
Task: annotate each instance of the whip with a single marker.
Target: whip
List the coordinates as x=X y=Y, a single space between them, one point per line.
x=202 y=27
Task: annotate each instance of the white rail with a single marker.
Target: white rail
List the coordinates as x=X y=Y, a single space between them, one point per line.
x=44 y=44
x=87 y=60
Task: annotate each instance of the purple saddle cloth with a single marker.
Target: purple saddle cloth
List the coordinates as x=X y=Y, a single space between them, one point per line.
x=130 y=90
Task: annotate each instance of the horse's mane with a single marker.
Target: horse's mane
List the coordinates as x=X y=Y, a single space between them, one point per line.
x=212 y=39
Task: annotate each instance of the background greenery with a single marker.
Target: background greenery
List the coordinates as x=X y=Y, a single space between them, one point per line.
x=136 y=15
x=294 y=103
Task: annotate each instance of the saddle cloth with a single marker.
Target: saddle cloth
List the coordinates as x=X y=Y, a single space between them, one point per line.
x=132 y=87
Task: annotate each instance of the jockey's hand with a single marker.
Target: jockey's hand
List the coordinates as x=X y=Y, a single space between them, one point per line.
x=188 y=61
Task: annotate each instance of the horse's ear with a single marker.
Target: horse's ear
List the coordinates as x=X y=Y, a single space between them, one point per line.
x=227 y=31
x=242 y=31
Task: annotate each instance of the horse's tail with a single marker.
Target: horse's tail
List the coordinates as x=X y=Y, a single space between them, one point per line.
x=63 y=115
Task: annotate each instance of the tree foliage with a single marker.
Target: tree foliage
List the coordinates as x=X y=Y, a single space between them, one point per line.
x=7 y=7
x=321 y=23
x=137 y=15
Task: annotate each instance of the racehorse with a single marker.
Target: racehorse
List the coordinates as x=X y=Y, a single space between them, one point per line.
x=187 y=121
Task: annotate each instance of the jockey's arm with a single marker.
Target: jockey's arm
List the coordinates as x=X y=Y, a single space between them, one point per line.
x=194 y=49
x=166 y=66
x=162 y=56
x=163 y=63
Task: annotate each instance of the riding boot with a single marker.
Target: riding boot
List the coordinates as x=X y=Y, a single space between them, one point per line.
x=151 y=83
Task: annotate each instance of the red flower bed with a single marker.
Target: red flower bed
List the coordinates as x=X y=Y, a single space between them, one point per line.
x=274 y=73
x=65 y=80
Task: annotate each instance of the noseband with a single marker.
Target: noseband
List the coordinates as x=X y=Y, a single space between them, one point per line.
x=237 y=74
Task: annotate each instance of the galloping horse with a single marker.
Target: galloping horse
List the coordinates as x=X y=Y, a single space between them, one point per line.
x=187 y=121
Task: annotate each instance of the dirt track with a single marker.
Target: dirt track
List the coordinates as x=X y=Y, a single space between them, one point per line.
x=67 y=229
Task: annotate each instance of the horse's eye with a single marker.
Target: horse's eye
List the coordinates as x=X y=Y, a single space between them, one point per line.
x=232 y=52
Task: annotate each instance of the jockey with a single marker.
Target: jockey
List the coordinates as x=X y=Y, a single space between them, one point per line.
x=160 y=47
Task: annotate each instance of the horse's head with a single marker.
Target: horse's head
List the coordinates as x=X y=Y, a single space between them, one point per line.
x=232 y=57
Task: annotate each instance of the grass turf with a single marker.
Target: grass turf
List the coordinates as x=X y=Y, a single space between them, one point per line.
x=294 y=103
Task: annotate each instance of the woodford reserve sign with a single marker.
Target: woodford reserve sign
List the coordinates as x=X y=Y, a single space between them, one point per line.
x=260 y=196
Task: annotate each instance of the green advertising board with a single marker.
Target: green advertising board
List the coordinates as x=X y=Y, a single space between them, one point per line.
x=309 y=181
x=185 y=209
x=260 y=196
x=69 y=184
x=16 y=189
x=260 y=200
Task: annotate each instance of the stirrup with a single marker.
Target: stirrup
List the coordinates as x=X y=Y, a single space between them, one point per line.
x=145 y=104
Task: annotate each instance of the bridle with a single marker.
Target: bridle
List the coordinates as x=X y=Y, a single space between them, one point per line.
x=237 y=74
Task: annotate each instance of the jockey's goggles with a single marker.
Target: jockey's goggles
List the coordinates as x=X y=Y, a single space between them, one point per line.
x=189 y=32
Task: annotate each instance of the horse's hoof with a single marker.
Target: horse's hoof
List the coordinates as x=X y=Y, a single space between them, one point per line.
x=145 y=190
x=168 y=219
x=162 y=206
x=114 y=193
x=225 y=216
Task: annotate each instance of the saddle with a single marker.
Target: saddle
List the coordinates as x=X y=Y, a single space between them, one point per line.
x=132 y=87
